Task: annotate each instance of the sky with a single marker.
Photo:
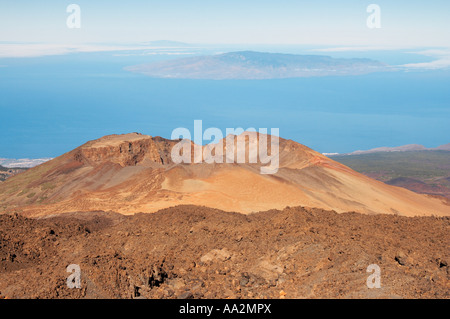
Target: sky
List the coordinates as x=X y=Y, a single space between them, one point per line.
x=404 y=23
x=413 y=35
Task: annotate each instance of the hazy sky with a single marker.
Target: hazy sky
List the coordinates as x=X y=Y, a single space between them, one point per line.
x=318 y=22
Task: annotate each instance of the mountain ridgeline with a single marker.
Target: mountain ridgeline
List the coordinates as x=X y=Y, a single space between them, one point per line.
x=134 y=173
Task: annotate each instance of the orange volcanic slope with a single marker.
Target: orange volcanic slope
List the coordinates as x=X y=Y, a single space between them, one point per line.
x=135 y=173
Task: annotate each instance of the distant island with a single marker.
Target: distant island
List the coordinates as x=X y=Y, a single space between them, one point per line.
x=251 y=65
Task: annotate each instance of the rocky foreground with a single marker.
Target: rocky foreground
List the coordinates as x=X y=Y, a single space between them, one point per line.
x=198 y=252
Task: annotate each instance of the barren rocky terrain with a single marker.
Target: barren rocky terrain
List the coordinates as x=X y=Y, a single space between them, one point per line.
x=423 y=172
x=140 y=225
x=199 y=252
x=132 y=173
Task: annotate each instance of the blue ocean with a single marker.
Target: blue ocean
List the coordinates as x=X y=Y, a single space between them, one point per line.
x=50 y=105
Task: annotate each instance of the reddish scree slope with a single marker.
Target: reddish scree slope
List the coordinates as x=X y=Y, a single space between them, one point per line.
x=133 y=173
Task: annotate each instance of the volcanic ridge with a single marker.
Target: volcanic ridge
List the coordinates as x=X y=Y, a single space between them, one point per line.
x=134 y=173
